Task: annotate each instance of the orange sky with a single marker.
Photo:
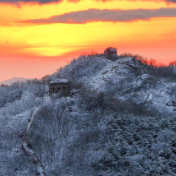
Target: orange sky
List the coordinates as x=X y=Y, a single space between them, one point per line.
x=31 y=48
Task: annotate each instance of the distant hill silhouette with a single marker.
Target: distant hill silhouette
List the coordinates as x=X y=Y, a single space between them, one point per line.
x=12 y=80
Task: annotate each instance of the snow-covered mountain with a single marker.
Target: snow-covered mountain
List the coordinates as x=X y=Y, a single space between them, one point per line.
x=12 y=80
x=126 y=79
x=118 y=120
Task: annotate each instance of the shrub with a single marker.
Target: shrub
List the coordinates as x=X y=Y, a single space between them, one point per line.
x=154 y=69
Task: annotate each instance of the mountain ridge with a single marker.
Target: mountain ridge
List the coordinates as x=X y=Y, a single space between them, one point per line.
x=126 y=78
x=119 y=119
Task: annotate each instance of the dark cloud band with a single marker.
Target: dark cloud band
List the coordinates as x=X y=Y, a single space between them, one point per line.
x=170 y=1
x=37 y=1
x=93 y=15
x=54 y=1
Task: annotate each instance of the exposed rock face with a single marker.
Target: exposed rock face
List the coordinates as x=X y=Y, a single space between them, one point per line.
x=171 y=103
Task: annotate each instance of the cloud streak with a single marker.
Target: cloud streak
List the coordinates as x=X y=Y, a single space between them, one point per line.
x=174 y=1
x=35 y=1
x=55 y=1
x=95 y=15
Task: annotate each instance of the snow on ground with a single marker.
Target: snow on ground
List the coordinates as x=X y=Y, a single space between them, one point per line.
x=127 y=79
x=77 y=135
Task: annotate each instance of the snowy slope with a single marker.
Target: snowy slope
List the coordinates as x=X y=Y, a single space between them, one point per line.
x=81 y=135
x=126 y=79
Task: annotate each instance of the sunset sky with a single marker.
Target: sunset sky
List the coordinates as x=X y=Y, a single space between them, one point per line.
x=39 y=36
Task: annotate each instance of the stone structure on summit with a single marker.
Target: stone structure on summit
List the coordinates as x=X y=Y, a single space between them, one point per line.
x=111 y=53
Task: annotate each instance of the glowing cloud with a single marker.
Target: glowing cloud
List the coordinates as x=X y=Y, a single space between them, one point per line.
x=46 y=34
x=37 y=1
x=54 y=1
x=94 y=15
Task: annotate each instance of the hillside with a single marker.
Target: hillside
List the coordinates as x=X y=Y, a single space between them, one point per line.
x=12 y=80
x=118 y=120
x=127 y=79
